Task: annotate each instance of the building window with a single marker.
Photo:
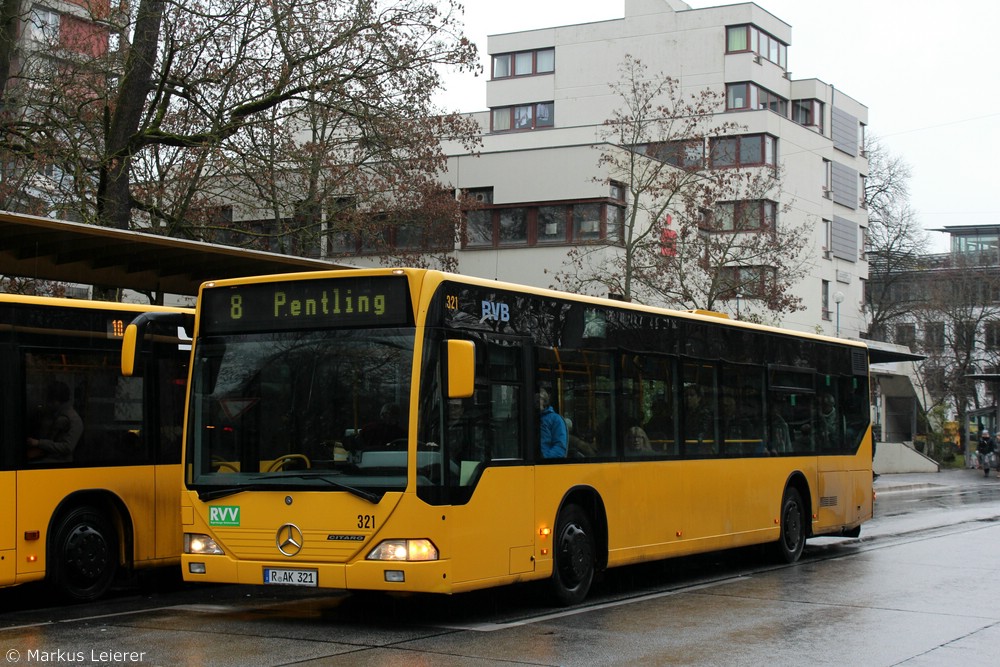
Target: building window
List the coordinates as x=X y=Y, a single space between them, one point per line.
x=934 y=336
x=524 y=63
x=523 y=117
x=750 y=38
x=965 y=335
x=744 y=216
x=992 y=335
x=682 y=154
x=616 y=191
x=808 y=113
x=43 y=25
x=751 y=150
x=825 y=301
x=545 y=224
x=746 y=281
x=750 y=96
x=587 y=222
x=906 y=334
x=552 y=223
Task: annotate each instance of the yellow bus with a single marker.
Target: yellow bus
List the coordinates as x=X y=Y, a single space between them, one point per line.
x=90 y=460
x=412 y=430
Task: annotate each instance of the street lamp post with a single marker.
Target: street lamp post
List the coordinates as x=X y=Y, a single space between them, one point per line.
x=838 y=299
x=739 y=295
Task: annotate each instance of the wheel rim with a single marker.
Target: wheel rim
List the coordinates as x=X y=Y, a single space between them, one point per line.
x=792 y=526
x=86 y=555
x=575 y=555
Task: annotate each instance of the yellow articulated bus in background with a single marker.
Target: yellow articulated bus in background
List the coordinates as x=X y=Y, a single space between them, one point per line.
x=411 y=430
x=90 y=460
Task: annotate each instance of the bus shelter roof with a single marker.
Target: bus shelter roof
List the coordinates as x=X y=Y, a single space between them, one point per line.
x=47 y=249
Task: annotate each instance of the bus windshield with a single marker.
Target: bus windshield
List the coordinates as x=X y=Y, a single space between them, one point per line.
x=324 y=410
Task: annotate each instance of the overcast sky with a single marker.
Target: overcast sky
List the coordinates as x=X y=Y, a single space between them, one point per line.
x=926 y=71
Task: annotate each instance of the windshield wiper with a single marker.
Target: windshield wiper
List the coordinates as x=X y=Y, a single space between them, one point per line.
x=373 y=498
x=229 y=491
x=214 y=494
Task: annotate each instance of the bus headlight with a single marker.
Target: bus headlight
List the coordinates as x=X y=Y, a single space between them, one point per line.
x=404 y=550
x=196 y=543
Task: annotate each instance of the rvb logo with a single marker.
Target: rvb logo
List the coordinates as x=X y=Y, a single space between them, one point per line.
x=495 y=311
x=224 y=515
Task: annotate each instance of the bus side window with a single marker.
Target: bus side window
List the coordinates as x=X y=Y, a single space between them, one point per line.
x=505 y=399
x=698 y=411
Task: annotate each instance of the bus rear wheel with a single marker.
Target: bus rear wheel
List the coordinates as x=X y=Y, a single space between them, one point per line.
x=84 y=555
x=792 y=541
x=573 y=553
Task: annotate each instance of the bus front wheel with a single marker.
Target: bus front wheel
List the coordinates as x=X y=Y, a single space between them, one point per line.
x=84 y=555
x=573 y=554
x=792 y=540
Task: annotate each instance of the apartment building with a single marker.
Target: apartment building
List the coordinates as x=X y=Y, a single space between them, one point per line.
x=49 y=35
x=947 y=307
x=537 y=174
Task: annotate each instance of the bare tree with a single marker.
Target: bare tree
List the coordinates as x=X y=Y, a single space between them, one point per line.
x=31 y=286
x=698 y=230
x=960 y=318
x=897 y=244
x=10 y=18
x=176 y=103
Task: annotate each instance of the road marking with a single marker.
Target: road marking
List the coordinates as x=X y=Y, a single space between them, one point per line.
x=493 y=627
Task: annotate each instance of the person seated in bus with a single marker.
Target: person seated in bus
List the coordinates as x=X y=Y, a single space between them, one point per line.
x=779 y=440
x=577 y=446
x=552 y=429
x=828 y=431
x=385 y=430
x=660 y=425
x=698 y=420
x=637 y=441
x=61 y=428
x=734 y=429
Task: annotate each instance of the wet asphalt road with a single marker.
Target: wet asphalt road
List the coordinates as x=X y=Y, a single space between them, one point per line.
x=921 y=587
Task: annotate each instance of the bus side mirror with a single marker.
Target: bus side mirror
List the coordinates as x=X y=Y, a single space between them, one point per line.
x=461 y=368
x=135 y=336
x=131 y=344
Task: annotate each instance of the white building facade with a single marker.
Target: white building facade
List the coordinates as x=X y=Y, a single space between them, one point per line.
x=548 y=94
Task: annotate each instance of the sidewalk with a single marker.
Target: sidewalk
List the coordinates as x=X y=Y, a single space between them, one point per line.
x=890 y=482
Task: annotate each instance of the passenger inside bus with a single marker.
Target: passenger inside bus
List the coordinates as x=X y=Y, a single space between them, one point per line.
x=386 y=430
x=552 y=428
x=577 y=446
x=698 y=426
x=637 y=441
x=778 y=439
x=660 y=426
x=828 y=432
x=61 y=428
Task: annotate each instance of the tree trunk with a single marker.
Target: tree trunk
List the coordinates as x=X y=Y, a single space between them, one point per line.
x=114 y=200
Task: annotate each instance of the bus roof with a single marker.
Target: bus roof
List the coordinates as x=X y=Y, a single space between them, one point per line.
x=435 y=276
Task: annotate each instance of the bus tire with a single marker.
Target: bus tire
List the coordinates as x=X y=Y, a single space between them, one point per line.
x=573 y=556
x=792 y=540
x=84 y=555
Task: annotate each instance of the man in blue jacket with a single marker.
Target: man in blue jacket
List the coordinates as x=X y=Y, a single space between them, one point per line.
x=552 y=428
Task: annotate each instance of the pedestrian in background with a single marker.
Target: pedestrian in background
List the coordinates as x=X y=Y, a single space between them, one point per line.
x=986 y=451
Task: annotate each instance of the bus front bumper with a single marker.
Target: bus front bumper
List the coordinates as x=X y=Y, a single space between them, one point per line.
x=412 y=577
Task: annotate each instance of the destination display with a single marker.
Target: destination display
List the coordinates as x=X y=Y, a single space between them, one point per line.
x=306 y=304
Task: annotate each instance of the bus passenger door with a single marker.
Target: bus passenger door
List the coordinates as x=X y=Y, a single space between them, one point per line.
x=493 y=530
